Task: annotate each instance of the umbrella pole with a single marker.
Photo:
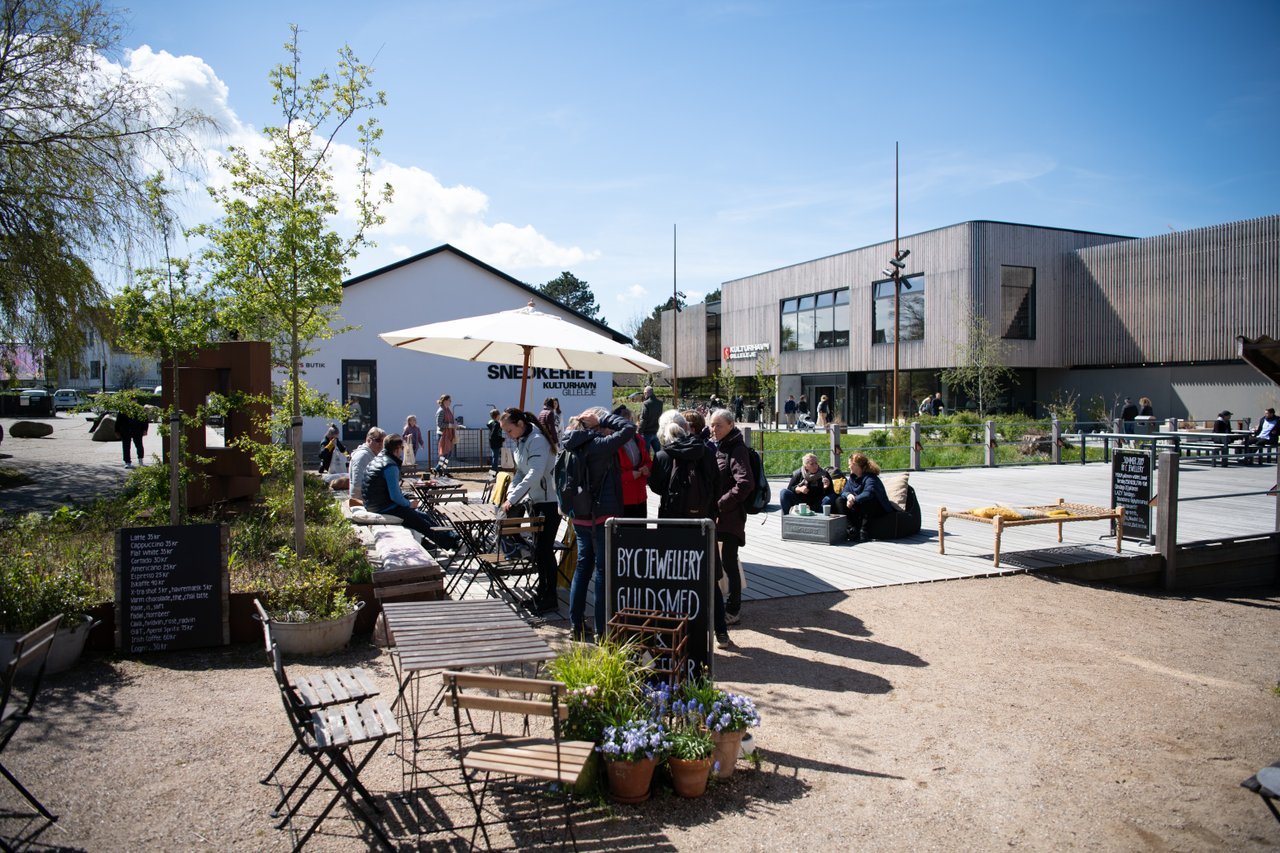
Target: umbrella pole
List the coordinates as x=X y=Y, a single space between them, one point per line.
x=524 y=375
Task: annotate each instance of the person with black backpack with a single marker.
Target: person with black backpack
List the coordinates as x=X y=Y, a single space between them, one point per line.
x=597 y=436
x=735 y=485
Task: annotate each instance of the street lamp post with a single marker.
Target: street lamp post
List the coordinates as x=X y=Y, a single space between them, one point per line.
x=894 y=271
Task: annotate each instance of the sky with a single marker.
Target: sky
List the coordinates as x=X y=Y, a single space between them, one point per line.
x=544 y=136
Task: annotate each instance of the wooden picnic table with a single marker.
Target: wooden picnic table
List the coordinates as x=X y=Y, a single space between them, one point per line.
x=438 y=490
x=1216 y=442
x=1077 y=512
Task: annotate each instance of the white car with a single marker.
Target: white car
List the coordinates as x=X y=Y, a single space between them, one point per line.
x=66 y=398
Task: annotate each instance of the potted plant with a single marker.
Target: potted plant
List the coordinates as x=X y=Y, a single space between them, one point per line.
x=631 y=750
x=310 y=611
x=727 y=716
x=32 y=594
x=600 y=680
x=691 y=760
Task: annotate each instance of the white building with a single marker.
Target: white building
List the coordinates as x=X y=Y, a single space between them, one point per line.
x=385 y=384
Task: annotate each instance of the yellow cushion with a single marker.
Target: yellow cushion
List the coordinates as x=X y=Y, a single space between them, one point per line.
x=996 y=511
x=838 y=484
x=501 y=485
x=895 y=486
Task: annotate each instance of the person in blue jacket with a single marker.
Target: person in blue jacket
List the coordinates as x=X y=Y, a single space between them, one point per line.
x=600 y=436
x=863 y=496
x=382 y=494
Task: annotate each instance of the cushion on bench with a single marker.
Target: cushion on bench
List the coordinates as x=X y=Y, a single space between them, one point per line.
x=360 y=515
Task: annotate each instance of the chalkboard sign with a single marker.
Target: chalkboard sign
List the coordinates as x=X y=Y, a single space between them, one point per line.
x=172 y=588
x=1131 y=489
x=668 y=566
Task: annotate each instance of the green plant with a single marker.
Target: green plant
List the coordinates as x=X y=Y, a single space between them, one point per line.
x=30 y=595
x=303 y=590
x=691 y=743
x=603 y=682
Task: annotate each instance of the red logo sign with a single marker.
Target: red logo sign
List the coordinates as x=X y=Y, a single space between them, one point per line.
x=726 y=353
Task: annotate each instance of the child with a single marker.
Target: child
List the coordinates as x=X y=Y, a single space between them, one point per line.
x=496 y=437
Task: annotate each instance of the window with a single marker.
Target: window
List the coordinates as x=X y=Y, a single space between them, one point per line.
x=911 y=301
x=818 y=321
x=95 y=370
x=1018 y=302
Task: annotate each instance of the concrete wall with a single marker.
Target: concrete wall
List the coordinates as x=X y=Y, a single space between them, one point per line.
x=1194 y=392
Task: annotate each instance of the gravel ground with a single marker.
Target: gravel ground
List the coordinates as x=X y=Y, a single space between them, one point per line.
x=966 y=715
x=976 y=714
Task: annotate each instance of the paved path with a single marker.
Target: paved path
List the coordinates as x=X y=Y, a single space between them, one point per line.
x=65 y=467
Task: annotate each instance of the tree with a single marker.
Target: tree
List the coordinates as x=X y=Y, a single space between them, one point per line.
x=713 y=296
x=767 y=381
x=980 y=369
x=572 y=292
x=169 y=313
x=726 y=381
x=647 y=333
x=274 y=251
x=73 y=140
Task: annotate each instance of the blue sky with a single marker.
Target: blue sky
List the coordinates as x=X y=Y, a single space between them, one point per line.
x=549 y=136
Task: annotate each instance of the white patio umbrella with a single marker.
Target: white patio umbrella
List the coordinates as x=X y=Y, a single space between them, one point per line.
x=524 y=336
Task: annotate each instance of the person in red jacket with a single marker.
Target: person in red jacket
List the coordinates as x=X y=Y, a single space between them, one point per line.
x=634 y=465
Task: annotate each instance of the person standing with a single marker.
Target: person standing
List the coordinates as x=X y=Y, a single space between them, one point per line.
x=549 y=417
x=634 y=466
x=413 y=436
x=1128 y=416
x=598 y=435
x=446 y=429
x=789 y=409
x=735 y=486
x=935 y=405
x=328 y=445
x=494 y=427
x=802 y=407
x=650 y=411
x=535 y=482
x=824 y=411
x=131 y=427
x=1144 y=408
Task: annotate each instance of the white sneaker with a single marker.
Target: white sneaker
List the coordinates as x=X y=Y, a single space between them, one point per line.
x=128 y=464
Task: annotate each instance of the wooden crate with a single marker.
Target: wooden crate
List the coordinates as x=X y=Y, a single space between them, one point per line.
x=663 y=637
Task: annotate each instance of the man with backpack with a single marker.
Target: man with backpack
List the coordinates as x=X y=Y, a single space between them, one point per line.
x=591 y=490
x=736 y=485
x=685 y=478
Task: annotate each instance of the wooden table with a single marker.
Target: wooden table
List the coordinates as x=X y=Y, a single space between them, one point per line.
x=434 y=636
x=470 y=522
x=1078 y=512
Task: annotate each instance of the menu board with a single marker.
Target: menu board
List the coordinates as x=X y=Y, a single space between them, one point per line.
x=669 y=567
x=172 y=588
x=1131 y=489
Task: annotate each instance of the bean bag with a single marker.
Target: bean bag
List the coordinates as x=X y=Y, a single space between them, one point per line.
x=897 y=525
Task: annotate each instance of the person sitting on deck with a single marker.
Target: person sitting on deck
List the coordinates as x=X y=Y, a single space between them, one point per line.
x=382 y=495
x=863 y=496
x=809 y=485
x=1266 y=434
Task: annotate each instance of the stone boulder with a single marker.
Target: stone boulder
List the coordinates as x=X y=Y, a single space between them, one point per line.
x=30 y=429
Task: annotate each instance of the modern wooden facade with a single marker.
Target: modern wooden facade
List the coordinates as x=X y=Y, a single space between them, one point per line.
x=1096 y=303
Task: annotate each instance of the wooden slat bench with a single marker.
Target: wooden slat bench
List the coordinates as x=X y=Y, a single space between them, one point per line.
x=407 y=573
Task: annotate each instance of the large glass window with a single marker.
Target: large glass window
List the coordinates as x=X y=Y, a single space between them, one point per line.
x=911 y=301
x=1018 y=302
x=819 y=321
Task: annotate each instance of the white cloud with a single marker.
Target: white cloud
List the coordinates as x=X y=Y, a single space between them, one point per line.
x=422 y=214
x=634 y=293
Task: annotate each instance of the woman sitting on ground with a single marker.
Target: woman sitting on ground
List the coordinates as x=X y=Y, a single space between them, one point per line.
x=863 y=497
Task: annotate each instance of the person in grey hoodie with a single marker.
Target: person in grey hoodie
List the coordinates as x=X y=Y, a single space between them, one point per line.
x=535 y=481
x=599 y=435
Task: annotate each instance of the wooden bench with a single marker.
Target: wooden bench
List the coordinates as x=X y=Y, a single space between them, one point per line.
x=407 y=573
x=1077 y=512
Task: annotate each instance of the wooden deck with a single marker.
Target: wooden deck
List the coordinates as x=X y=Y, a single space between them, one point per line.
x=777 y=569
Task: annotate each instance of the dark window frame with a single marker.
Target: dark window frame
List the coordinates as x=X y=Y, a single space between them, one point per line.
x=834 y=301
x=1017 y=313
x=882 y=298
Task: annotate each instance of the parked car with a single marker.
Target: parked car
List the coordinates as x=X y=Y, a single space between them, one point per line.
x=67 y=398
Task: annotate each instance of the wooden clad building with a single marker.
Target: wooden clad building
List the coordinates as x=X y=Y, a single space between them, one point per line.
x=1080 y=312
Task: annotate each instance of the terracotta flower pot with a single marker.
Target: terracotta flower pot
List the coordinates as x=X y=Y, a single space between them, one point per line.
x=690 y=777
x=726 y=753
x=629 y=780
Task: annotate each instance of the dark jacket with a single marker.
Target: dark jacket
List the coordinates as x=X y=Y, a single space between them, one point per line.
x=735 y=486
x=1129 y=412
x=603 y=497
x=130 y=428
x=382 y=484
x=1222 y=425
x=688 y=450
x=817 y=489
x=1274 y=437
x=867 y=488
x=650 y=412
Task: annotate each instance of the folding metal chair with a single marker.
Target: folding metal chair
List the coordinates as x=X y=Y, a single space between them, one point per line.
x=1266 y=784
x=497 y=756
x=511 y=566
x=328 y=737
x=30 y=650
x=331 y=687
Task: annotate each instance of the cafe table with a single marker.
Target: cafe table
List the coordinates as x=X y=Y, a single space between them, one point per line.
x=435 y=636
x=471 y=521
